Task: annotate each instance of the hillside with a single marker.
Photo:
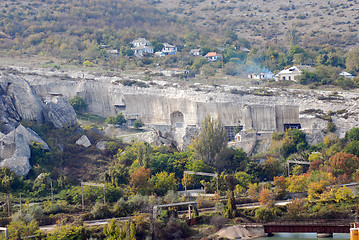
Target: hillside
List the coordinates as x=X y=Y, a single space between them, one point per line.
x=260 y=21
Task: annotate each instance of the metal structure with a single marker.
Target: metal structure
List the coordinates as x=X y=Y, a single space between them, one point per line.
x=6 y=232
x=94 y=185
x=190 y=204
x=310 y=226
x=296 y=162
x=201 y=174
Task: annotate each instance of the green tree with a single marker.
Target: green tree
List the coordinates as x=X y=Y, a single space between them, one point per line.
x=115 y=231
x=243 y=180
x=119 y=119
x=163 y=182
x=352 y=60
x=211 y=144
x=78 y=103
x=138 y=124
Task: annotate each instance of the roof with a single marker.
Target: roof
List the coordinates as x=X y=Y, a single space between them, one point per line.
x=167 y=45
x=213 y=54
x=345 y=74
x=297 y=69
x=140 y=40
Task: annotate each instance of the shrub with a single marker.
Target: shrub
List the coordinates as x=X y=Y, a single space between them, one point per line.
x=100 y=210
x=20 y=229
x=119 y=119
x=218 y=221
x=263 y=214
x=78 y=103
x=138 y=124
x=69 y=232
x=121 y=208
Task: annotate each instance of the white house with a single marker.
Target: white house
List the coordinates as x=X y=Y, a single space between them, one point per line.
x=346 y=75
x=169 y=49
x=213 y=56
x=142 y=49
x=195 y=52
x=292 y=72
x=140 y=42
x=268 y=75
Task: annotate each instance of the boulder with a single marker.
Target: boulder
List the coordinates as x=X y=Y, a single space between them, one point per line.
x=19 y=165
x=83 y=141
x=15 y=149
x=101 y=145
x=60 y=112
x=31 y=136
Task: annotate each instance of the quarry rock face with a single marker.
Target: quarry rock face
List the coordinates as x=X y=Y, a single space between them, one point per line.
x=18 y=101
x=174 y=113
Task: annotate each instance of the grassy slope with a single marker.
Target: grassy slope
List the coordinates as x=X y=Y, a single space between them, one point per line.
x=333 y=22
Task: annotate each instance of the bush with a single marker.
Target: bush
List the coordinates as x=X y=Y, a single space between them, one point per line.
x=263 y=214
x=68 y=232
x=121 y=208
x=78 y=103
x=100 y=211
x=138 y=124
x=119 y=119
x=218 y=221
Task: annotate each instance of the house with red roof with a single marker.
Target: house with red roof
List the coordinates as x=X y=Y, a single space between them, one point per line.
x=213 y=56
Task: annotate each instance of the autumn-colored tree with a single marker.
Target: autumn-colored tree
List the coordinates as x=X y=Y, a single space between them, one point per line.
x=281 y=185
x=297 y=183
x=343 y=194
x=139 y=181
x=265 y=197
x=296 y=207
x=316 y=189
x=344 y=164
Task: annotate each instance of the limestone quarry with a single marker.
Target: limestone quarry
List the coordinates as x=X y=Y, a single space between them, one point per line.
x=173 y=111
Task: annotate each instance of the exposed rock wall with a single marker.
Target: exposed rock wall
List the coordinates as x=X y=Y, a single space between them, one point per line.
x=162 y=105
x=18 y=101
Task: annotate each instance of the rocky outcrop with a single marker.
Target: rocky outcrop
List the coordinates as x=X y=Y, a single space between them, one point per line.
x=175 y=112
x=15 y=149
x=18 y=101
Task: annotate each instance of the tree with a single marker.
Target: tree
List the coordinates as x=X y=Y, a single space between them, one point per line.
x=297 y=183
x=352 y=60
x=139 y=181
x=343 y=194
x=115 y=231
x=119 y=119
x=163 y=182
x=353 y=134
x=281 y=185
x=211 y=144
x=265 y=197
x=138 y=124
x=344 y=163
x=78 y=103
x=243 y=180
